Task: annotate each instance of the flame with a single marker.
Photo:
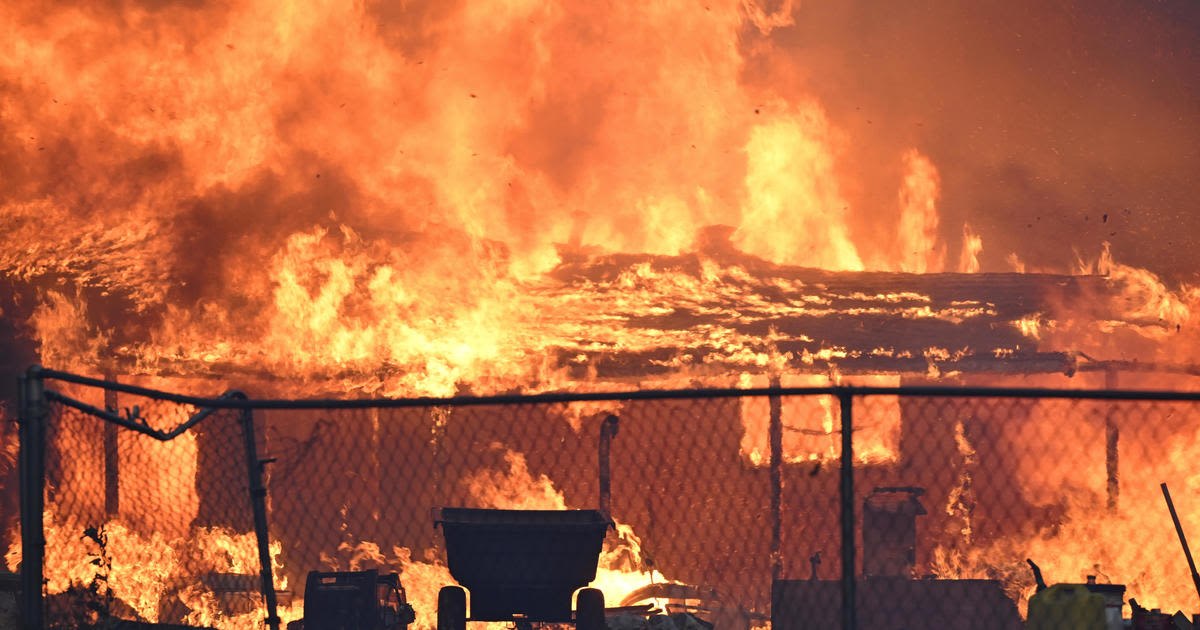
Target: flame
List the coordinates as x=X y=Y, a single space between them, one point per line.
x=1030 y=326
x=514 y=488
x=141 y=571
x=1139 y=317
x=621 y=568
x=394 y=206
x=920 y=249
x=1133 y=544
x=961 y=502
x=968 y=261
x=790 y=182
x=150 y=557
x=1145 y=297
x=381 y=201
x=64 y=331
x=812 y=424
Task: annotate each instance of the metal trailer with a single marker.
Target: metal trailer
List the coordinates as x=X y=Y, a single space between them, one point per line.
x=521 y=566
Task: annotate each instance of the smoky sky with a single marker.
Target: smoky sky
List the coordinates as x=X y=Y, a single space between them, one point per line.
x=1055 y=126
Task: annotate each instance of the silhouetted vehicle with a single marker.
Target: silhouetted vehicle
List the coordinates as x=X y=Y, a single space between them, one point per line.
x=354 y=600
x=522 y=566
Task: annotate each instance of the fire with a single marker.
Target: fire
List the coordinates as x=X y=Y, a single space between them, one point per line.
x=621 y=567
x=968 y=261
x=1134 y=544
x=812 y=426
x=133 y=573
x=922 y=252
x=361 y=199
x=790 y=180
x=410 y=196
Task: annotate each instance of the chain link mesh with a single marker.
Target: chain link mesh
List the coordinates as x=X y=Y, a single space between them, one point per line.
x=356 y=489
x=144 y=530
x=951 y=496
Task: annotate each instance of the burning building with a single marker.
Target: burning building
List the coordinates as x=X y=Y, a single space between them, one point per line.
x=443 y=198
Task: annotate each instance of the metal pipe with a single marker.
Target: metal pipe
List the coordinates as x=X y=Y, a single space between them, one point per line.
x=32 y=473
x=258 y=501
x=775 y=433
x=1187 y=552
x=849 y=608
x=608 y=430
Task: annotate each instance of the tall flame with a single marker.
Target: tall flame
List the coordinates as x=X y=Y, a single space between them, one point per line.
x=351 y=185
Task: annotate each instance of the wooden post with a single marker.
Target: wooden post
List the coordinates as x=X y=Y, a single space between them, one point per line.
x=849 y=604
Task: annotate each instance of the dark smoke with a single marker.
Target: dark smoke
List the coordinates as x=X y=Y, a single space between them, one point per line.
x=1055 y=126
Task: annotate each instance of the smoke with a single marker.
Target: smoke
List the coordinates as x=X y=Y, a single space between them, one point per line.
x=1050 y=123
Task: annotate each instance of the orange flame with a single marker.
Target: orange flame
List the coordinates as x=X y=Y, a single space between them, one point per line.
x=374 y=200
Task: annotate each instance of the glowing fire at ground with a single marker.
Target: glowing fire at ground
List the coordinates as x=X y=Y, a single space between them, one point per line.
x=620 y=571
x=119 y=565
x=119 y=570
x=1135 y=545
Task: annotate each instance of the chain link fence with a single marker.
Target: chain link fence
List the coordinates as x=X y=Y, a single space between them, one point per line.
x=727 y=508
x=150 y=529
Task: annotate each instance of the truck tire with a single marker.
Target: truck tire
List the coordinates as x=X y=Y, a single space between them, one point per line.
x=589 y=610
x=452 y=608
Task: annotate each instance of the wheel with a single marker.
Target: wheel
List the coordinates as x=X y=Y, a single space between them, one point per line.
x=452 y=608
x=589 y=610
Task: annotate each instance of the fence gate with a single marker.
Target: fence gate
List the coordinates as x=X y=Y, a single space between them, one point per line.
x=136 y=506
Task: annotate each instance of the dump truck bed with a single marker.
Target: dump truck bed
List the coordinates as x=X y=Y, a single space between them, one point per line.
x=522 y=563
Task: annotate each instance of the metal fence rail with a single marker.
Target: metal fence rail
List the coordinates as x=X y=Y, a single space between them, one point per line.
x=850 y=507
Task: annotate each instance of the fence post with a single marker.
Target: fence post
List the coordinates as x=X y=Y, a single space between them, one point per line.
x=258 y=499
x=112 y=457
x=849 y=610
x=32 y=471
x=608 y=430
x=775 y=435
x=1112 y=437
